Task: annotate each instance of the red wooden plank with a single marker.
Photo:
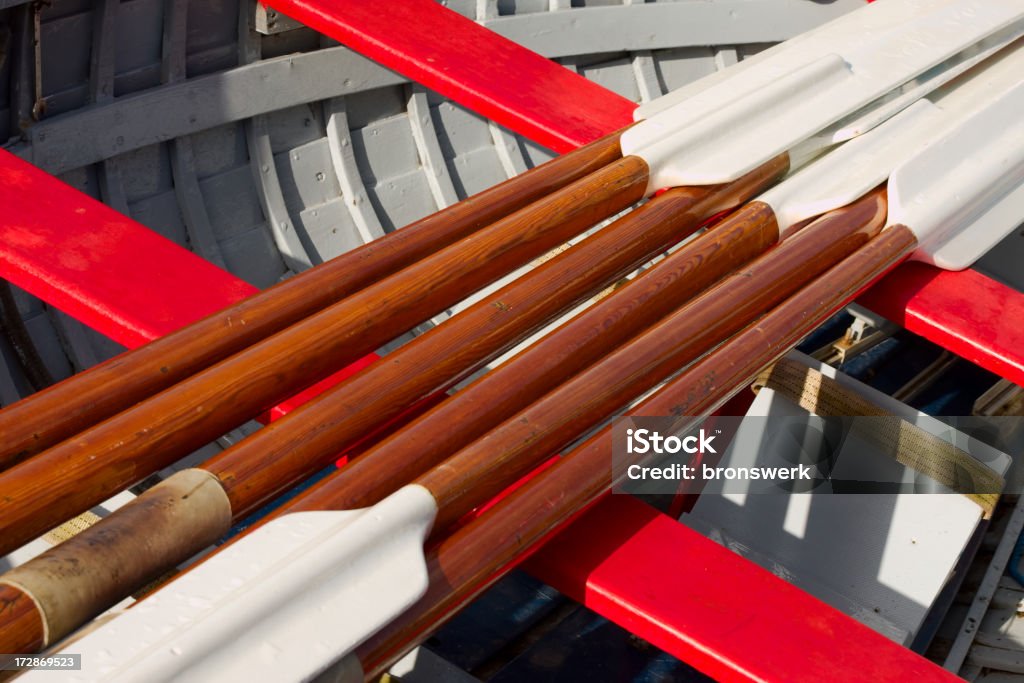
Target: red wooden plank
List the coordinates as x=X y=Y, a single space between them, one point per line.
x=106 y=270
x=704 y=604
x=493 y=76
x=966 y=312
x=99 y=266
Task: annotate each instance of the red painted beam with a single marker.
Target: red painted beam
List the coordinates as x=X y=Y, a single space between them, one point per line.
x=99 y=266
x=104 y=269
x=966 y=312
x=460 y=59
x=706 y=605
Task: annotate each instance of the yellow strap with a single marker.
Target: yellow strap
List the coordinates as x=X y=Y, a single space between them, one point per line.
x=71 y=527
x=910 y=445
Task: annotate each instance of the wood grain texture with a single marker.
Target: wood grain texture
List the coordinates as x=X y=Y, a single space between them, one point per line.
x=21 y=624
x=483 y=469
x=302 y=442
x=582 y=341
x=481 y=552
x=50 y=416
x=90 y=467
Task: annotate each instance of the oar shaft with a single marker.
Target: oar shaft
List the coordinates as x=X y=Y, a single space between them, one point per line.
x=482 y=551
x=57 y=413
x=21 y=625
x=297 y=445
x=193 y=508
x=554 y=359
x=88 y=468
x=481 y=470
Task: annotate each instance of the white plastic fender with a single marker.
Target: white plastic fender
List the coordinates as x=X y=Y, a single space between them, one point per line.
x=281 y=604
x=750 y=114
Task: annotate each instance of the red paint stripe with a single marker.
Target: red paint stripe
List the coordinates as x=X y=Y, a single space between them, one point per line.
x=966 y=312
x=706 y=605
x=104 y=269
x=472 y=65
x=99 y=266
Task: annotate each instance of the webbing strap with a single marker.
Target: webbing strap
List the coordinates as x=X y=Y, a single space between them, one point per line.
x=71 y=527
x=910 y=445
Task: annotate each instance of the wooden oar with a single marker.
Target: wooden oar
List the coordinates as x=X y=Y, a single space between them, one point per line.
x=481 y=470
x=581 y=342
x=552 y=360
x=455 y=422
x=57 y=413
x=979 y=162
x=356 y=563
x=192 y=509
x=831 y=182
x=150 y=500
x=784 y=200
x=91 y=466
x=839 y=178
x=501 y=393
x=481 y=552
x=445 y=490
x=115 y=568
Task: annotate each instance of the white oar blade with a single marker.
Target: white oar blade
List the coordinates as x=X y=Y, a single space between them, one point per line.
x=754 y=113
x=915 y=89
x=963 y=193
x=881 y=17
x=854 y=168
x=281 y=604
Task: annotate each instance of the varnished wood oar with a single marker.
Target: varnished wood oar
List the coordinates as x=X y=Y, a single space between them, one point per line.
x=95 y=464
x=297 y=626
x=481 y=470
x=271 y=460
x=468 y=554
x=192 y=509
x=256 y=469
x=455 y=422
x=833 y=181
x=485 y=549
x=125 y=548
x=979 y=161
x=57 y=413
x=552 y=360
